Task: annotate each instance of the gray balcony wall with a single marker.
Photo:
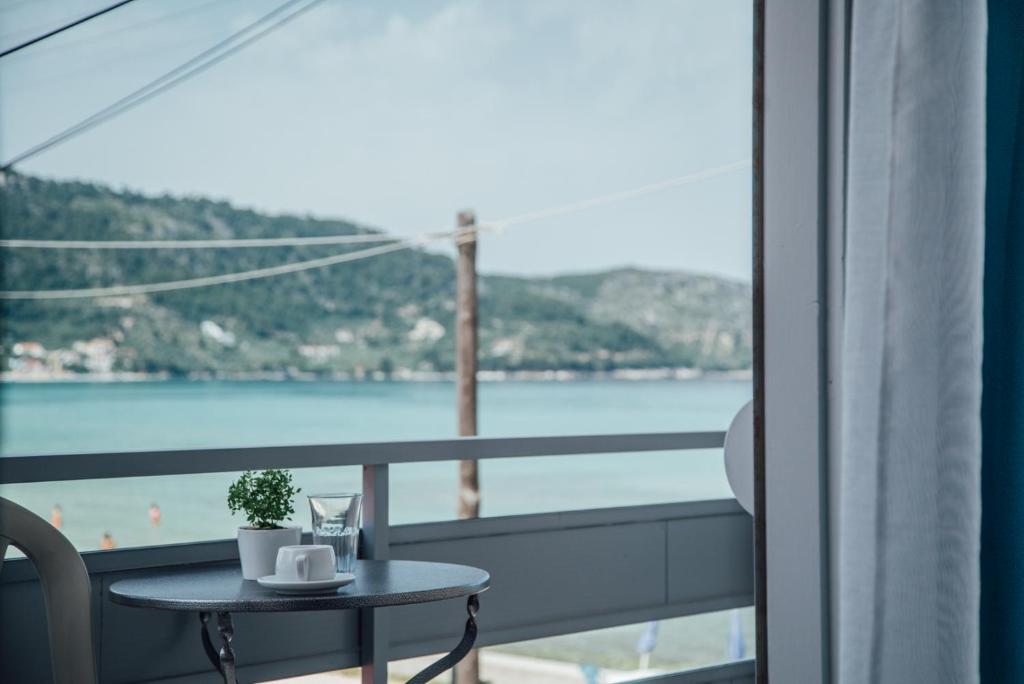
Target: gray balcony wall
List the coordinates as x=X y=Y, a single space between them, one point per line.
x=551 y=574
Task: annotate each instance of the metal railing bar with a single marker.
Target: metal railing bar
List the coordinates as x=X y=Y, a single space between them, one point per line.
x=84 y=466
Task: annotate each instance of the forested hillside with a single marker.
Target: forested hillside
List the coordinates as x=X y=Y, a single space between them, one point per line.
x=391 y=313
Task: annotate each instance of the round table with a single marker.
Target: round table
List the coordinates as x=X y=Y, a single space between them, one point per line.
x=378 y=584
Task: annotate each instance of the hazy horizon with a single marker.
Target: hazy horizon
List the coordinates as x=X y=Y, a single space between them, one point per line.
x=397 y=116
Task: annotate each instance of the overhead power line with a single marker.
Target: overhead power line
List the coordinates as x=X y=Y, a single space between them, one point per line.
x=224 y=243
x=492 y=226
x=134 y=27
x=611 y=198
x=237 y=41
x=294 y=267
x=148 y=288
x=63 y=28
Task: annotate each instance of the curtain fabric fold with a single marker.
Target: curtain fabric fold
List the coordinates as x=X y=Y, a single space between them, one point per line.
x=1002 y=535
x=910 y=478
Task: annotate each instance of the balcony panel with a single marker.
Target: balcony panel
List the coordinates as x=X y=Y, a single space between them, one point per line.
x=544 y=577
x=710 y=557
x=24 y=644
x=560 y=573
x=553 y=574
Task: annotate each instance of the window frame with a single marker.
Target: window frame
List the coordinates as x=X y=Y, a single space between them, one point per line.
x=801 y=204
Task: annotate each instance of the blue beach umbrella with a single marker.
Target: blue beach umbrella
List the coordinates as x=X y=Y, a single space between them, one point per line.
x=646 y=643
x=737 y=648
x=648 y=640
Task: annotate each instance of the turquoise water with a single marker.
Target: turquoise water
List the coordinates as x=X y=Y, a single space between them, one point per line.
x=85 y=417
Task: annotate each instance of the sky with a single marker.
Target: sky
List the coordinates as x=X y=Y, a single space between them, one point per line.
x=399 y=114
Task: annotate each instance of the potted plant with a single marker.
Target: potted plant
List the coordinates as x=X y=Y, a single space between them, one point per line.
x=266 y=498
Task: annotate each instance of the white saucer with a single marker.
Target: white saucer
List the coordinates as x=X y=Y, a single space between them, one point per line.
x=299 y=587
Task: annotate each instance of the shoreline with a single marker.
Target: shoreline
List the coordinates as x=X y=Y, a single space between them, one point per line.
x=398 y=376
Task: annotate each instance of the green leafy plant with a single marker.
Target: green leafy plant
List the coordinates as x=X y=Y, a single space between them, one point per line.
x=265 y=497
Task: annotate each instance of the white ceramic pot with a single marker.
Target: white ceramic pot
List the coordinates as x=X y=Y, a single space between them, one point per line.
x=257 y=549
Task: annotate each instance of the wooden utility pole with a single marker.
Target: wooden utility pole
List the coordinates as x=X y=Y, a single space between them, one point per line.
x=467 y=671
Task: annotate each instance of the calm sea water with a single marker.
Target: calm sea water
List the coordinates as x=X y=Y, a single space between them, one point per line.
x=68 y=418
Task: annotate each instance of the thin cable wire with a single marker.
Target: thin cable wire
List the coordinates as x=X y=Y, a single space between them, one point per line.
x=613 y=197
x=200 y=62
x=97 y=36
x=493 y=226
x=224 y=243
x=196 y=65
x=63 y=28
x=206 y=281
x=561 y=210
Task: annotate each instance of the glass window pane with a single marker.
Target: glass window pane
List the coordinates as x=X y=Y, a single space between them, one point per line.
x=616 y=136
x=617 y=300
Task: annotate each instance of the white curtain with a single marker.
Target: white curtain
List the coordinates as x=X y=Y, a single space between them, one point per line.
x=911 y=438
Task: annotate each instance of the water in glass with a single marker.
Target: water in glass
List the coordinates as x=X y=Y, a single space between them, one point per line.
x=336 y=521
x=345 y=541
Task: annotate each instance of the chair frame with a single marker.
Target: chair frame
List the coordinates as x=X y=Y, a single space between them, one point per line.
x=67 y=590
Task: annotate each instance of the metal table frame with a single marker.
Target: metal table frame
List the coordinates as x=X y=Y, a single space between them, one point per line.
x=223 y=659
x=261 y=600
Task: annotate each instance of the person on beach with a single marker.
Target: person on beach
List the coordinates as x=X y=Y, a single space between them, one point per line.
x=57 y=516
x=154 y=514
x=107 y=542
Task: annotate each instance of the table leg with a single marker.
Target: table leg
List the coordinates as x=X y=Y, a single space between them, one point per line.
x=459 y=652
x=211 y=652
x=227 y=656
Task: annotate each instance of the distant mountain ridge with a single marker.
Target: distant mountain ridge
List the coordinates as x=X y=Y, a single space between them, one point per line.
x=390 y=314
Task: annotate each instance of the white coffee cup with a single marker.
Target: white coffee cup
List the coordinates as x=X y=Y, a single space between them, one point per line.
x=305 y=563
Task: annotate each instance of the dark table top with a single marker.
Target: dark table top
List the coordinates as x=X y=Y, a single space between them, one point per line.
x=377 y=584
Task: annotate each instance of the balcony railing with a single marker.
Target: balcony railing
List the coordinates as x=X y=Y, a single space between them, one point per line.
x=615 y=566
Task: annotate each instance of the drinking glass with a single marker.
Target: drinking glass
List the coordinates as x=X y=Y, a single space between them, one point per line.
x=336 y=522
